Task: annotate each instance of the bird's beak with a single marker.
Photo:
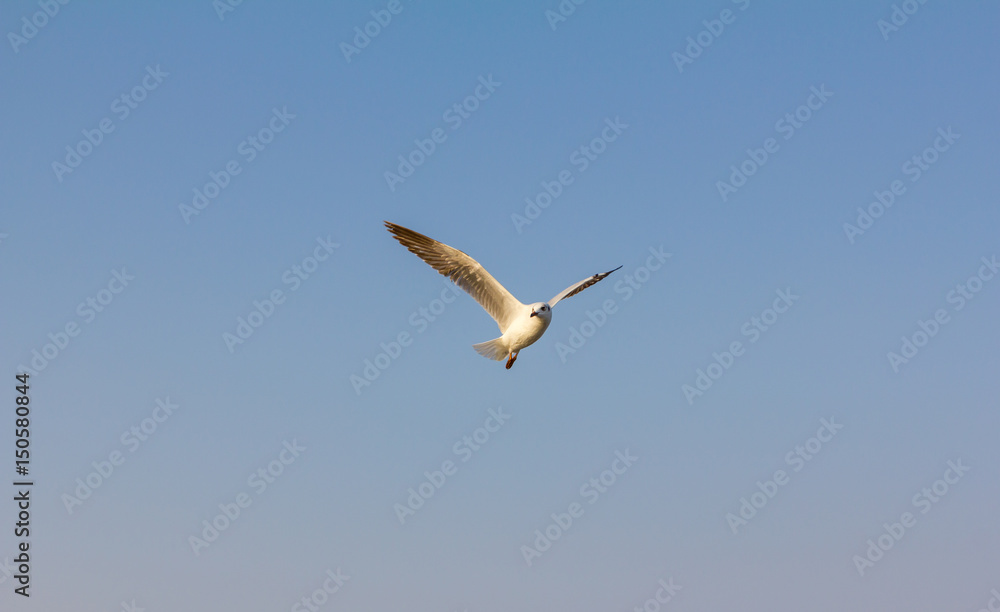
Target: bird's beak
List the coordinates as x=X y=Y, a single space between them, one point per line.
x=533 y=314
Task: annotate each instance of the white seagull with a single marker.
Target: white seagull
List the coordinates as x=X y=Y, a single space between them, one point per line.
x=521 y=324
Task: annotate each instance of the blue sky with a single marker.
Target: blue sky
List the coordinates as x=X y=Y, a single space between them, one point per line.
x=290 y=136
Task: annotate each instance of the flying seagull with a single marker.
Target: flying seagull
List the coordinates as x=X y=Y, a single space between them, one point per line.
x=520 y=324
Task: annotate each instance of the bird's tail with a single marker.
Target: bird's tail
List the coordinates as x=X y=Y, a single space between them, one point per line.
x=494 y=349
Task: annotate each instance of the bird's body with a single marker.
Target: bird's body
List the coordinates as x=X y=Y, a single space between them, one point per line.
x=523 y=331
x=520 y=324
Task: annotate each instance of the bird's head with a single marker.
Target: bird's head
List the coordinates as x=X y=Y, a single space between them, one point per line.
x=541 y=310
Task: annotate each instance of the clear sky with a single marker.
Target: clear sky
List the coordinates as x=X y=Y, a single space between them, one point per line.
x=799 y=355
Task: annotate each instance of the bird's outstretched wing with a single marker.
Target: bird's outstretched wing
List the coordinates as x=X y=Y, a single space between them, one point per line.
x=580 y=286
x=464 y=271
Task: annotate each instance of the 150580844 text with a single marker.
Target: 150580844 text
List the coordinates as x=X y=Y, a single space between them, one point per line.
x=22 y=484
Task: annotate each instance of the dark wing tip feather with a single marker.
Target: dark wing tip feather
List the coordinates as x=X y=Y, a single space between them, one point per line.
x=593 y=280
x=423 y=247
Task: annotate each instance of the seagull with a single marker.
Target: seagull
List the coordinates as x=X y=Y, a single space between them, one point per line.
x=521 y=324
